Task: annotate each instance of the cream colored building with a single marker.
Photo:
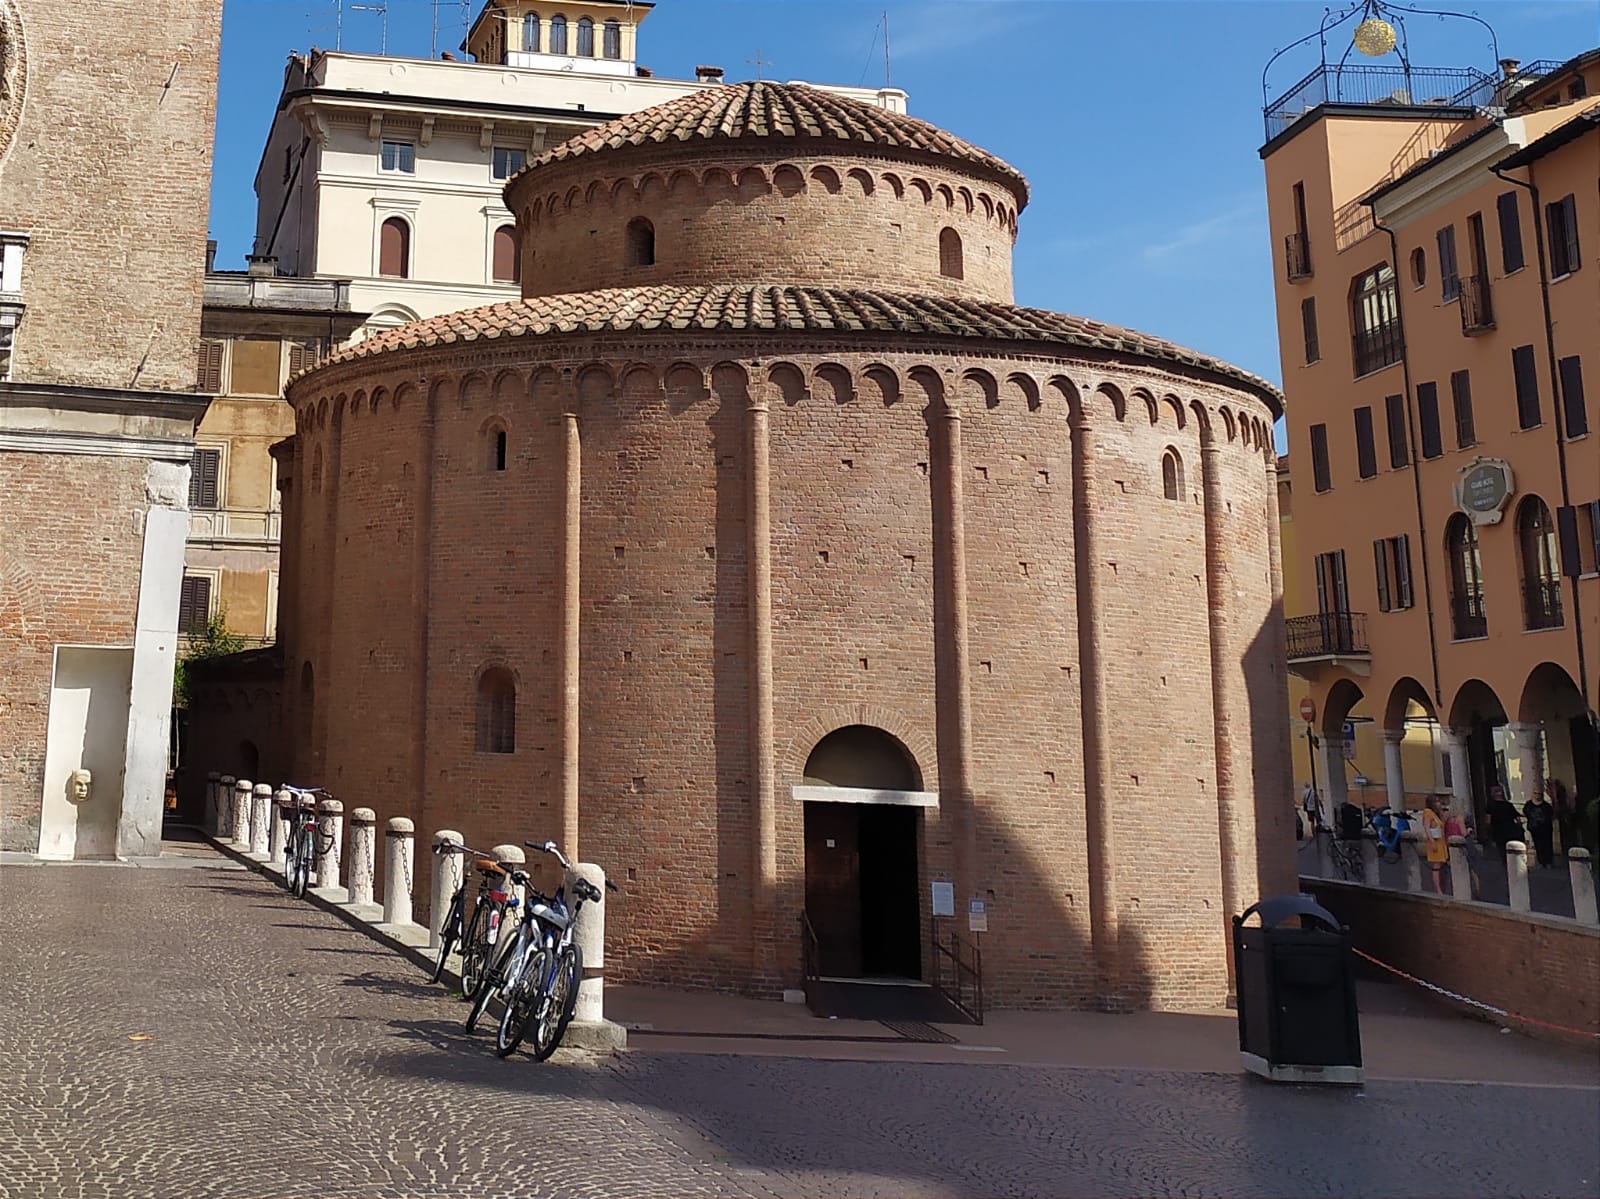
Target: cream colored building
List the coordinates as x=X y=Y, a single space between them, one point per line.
x=389 y=171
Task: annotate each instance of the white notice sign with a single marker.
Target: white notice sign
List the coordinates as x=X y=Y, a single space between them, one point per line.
x=944 y=899
x=977 y=916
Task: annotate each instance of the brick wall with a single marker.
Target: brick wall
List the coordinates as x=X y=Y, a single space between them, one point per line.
x=399 y=621
x=837 y=220
x=109 y=172
x=69 y=574
x=1537 y=966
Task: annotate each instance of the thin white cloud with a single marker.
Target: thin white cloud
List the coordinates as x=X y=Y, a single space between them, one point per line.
x=946 y=28
x=1201 y=234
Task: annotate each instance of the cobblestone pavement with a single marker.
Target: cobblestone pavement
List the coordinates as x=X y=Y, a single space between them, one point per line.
x=196 y=1033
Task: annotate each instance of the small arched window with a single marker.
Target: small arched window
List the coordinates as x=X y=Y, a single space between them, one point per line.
x=394 y=249
x=1419 y=267
x=611 y=43
x=1467 y=615
x=507 y=261
x=558 y=35
x=585 y=38
x=950 y=260
x=641 y=243
x=495 y=445
x=497 y=712
x=1541 y=567
x=1171 y=475
x=530 y=32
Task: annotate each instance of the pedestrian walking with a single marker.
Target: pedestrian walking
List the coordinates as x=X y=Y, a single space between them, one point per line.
x=1541 y=817
x=1504 y=826
x=1435 y=848
x=1566 y=805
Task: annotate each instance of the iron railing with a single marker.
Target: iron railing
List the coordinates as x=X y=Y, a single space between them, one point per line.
x=1327 y=634
x=1467 y=616
x=1477 y=314
x=1380 y=86
x=1297 y=253
x=958 y=975
x=1378 y=347
x=1541 y=603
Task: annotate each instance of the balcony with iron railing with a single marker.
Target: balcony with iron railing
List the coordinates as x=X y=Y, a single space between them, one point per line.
x=1328 y=637
x=1377 y=347
x=1297 y=256
x=1379 y=87
x=1541 y=604
x=1477 y=313
x=1468 y=621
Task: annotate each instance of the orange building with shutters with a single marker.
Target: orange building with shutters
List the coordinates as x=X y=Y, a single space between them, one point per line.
x=1437 y=262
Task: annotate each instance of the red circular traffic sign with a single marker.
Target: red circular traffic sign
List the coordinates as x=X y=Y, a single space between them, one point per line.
x=1308 y=710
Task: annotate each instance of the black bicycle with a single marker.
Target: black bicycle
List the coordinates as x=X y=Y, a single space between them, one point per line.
x=305 y=840
x=478 y=932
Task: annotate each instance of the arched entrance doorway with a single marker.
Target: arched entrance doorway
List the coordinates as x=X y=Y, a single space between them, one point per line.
x=1479 y=719
x=863 y=795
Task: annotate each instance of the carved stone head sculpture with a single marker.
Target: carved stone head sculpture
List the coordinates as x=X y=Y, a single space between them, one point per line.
x=79 y=783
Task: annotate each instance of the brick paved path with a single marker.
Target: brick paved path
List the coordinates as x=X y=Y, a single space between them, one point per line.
x=289 y=1056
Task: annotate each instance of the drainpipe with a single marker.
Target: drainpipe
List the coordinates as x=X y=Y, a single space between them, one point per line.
x=1416 y=461
x=1559 y=423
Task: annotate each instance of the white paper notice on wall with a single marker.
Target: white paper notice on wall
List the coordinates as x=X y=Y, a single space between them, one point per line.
x=977 y=916
x=944 y=899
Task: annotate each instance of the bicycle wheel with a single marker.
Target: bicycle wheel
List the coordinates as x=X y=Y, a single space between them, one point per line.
x=447 y=937
x=475 y=949
x=505 y=954
x=560 y=1001
x=523 y=1004
x=302 y=865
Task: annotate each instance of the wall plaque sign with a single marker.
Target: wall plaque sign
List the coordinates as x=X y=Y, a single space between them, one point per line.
x=1483 y=489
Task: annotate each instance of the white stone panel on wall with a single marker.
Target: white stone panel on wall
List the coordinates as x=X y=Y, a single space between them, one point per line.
x=88 y=728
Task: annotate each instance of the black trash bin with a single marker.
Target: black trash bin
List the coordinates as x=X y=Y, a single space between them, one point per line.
x=1296 y=993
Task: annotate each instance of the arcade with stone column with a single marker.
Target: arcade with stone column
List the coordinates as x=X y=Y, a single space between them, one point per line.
x=765 y=554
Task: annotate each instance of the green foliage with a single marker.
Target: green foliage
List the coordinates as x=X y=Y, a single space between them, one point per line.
x=214 y=642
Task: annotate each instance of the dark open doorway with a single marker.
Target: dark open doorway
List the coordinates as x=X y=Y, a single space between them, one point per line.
x=861 y=889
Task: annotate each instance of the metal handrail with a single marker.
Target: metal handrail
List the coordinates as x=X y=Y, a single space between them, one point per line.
x=1325 y=634
x=1297 y=254
x=810 y=956
x=965 y=977
x=1477 y=314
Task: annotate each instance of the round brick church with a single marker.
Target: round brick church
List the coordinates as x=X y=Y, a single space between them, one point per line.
x=766 y=555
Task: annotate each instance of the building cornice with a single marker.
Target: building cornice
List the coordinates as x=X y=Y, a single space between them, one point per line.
x=119 y=401
x=1451 y=175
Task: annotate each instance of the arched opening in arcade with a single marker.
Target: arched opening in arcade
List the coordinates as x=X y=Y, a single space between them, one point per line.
x=1557 y=750
x=1415 y=765
x=863 y=799
x=1478 y=740
x=1347 y=748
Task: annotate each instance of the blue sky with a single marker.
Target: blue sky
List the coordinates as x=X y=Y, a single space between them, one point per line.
x=1137 y=123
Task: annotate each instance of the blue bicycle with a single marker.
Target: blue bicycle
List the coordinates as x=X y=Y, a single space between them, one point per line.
x=1389 y=826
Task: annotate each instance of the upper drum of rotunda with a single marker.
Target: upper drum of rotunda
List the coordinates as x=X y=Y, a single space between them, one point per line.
x=768 y=182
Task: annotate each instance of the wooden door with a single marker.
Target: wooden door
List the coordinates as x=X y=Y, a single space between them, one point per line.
x=833 y=886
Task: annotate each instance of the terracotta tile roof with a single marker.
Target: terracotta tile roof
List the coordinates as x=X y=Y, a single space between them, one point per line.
x=763 y=307
x=783 y=111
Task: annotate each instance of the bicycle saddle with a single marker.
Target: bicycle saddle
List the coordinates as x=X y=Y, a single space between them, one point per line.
x=492 y=869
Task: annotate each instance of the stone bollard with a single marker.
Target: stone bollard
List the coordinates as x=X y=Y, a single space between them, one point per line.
x=1369 y=857
x=260 y=818
x=1324 y=850
x=1460 y=870
x=1584 y=908
x=363 y=853
x=330 y=832
x=1517 y=875
x=512 y=858
x=589 y=1028
x=401 y=836
x=279 y=833
x=240 y=832
x=1413 y=859
x=213 y=816
x=224 y=807
x=447 y=875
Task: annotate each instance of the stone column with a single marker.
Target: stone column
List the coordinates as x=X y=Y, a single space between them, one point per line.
x=1227 y=701
x=1335 y=786
x=240 y=813
x=1460 y=869
x=1517 y=875
x=447 y=874
x=1369 y=858
x=1583 y=897
x=1394 y=780
x=1088 y=507
x=1275 y=772
x=260 y=820
x=590 y=937
x=225 y=807
x=279 y=832
x=363 y=854
x=1413 y=860
x=1529 y=743
x=213 y=816
x=764 y=837
x=330 y=832
x=1455 y=744
x=401 y=838
x=571 y=621
x=957 y=715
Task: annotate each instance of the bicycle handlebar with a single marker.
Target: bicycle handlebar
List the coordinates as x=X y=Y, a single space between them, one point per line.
x=551 y=848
